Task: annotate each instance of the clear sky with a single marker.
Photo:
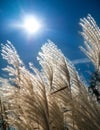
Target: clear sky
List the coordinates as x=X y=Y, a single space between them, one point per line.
x=61 y=25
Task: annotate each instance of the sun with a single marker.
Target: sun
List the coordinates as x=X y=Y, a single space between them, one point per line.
x=31 y=24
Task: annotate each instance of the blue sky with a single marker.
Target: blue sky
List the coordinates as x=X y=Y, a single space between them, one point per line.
x=61 y=19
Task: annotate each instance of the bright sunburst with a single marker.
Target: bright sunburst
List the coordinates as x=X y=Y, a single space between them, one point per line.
x=31 y=24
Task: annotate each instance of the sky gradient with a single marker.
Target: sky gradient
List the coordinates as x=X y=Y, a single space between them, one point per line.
x=61 y=25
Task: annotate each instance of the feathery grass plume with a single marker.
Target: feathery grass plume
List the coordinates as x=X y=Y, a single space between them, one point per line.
x=81 y=103
x=29 y=99
x=4 y=106
x=54 y=66
x=17 y=73
x=39 y=106
x=91 y=35
x=9 y=100
x=10 y=54
x=66 y=84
